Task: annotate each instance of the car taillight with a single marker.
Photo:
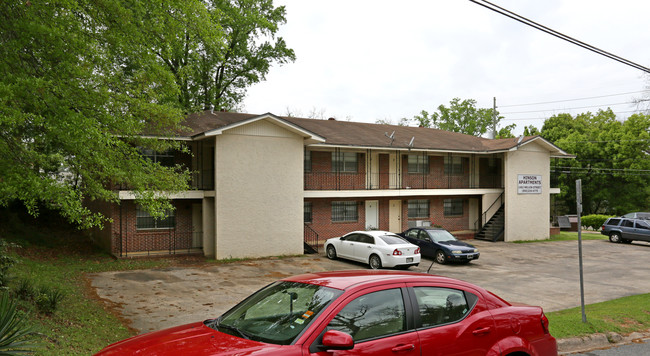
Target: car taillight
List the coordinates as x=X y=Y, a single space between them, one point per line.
x=397 y=252
x=545 y=324
x=417 y=251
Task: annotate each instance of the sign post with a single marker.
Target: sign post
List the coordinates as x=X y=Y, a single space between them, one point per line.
x=579 y=212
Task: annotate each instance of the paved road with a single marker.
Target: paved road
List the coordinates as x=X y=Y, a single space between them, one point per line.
x=544 y=273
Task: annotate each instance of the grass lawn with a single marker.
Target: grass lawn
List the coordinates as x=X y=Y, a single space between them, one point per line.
x=82 y=324
x=570 y=236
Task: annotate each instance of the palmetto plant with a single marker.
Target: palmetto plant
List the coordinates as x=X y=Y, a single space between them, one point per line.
x=16 y=336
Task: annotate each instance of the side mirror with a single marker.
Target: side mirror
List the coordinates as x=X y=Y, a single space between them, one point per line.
x=337 y=340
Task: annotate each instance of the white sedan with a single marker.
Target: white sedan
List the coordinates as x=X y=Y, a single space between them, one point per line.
x=376 y=248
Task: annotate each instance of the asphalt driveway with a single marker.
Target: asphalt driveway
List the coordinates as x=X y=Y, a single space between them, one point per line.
x=543 y=273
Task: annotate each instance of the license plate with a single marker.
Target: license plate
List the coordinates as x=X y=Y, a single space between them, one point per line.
x=469 y=257
x=409 y=259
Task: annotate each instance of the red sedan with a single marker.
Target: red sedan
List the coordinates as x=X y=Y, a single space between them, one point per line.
x=359 y=313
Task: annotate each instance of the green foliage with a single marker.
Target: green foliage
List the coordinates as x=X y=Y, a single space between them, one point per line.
x=611 y=160
x=506 y=132
x=531 y=130
x=6 y=262
x=25 y=289
x=594 y=221
x=16 y=336
x=47 y=299
x=461 y=116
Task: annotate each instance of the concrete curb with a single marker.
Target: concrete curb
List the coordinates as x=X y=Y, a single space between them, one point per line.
x=598 y=341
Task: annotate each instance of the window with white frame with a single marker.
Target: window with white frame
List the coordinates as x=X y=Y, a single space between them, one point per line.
x=344 y=211
x=418 y=164
x=454 y=165
x=418 y=208
x=344 y=162
x=453 y=207
x=145 y=221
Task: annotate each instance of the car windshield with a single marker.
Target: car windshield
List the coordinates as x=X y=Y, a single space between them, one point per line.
x=393 y=239
x=441 y=235
x=276 y=314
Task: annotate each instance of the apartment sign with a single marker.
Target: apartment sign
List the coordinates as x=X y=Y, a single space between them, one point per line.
x=529 y=184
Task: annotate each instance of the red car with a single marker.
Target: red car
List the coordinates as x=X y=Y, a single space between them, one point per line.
x=359 y=313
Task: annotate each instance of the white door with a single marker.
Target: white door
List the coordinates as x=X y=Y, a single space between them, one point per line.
x=372 y=214
x=395 y=216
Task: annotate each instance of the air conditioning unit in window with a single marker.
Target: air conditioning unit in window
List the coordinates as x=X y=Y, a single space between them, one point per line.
x=419 y=223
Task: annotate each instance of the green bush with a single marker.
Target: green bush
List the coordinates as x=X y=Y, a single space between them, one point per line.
x=594 y=221
x=6 y=262
x=25 y=289
x=47 y=299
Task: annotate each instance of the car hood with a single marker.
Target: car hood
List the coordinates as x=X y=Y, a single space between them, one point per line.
x=457 y=244
x=190 y=339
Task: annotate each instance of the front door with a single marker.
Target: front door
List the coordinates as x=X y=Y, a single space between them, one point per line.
x=372 y=214
x=395 y=216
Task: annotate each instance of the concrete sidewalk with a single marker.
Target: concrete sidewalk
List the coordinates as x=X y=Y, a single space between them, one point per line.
x=543 y=273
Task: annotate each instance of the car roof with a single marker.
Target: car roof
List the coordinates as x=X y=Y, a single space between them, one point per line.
x=358 y=278
x=374 y=233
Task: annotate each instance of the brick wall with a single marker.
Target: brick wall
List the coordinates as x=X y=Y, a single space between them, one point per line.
x=435 y=177
x=126 y=238
x=322 y=176
x=323 y=225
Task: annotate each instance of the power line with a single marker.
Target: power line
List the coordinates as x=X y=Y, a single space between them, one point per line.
x=557 y=34
x=580 y=107
x=577 y=99
x=545 y=118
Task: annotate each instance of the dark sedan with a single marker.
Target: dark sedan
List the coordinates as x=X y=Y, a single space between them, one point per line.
x=440 y=245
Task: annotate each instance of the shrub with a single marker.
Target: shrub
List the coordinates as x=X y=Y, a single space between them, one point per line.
x=6 y=262
x=25 y=289
x=47 y=299
x=16 y=336
x=594 y=221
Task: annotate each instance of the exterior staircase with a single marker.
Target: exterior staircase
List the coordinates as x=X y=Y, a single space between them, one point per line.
x=494 y=228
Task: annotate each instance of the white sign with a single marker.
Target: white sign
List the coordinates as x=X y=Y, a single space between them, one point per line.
x=529 y=184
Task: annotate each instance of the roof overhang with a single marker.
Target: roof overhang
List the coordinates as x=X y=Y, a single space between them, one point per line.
x=309 y=136
x=555 y=151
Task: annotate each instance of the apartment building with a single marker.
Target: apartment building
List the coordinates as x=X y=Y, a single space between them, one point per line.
x=266 y=185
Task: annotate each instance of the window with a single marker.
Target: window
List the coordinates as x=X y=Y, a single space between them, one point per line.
x=453 y=207
x=307 y=161
x=627 y=223
x=308 y=214
x=418 y=209
x=454 y=165
x=165 y=159
x=642 y=225
x=145 y=221
x=442 y=305
x=344 y=211
x=418 y=164
x=613 y=222
x=372 y=315
x=344 y=162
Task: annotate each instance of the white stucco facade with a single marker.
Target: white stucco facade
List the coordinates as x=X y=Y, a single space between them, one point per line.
x=527 y=215
x=259 y=183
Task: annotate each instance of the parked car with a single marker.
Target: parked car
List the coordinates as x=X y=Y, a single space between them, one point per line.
x=626 y=230
x=440 y=245
x=639 y=215
x=364 y=312
x=376 y=248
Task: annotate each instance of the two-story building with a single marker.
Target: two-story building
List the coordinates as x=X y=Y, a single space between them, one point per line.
x=264 y=185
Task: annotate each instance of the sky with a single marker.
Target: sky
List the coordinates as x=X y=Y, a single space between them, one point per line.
x=369 y=60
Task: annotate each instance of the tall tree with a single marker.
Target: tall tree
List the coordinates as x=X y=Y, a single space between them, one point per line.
x=79 y=84
x=611 y=160
x=460 y=116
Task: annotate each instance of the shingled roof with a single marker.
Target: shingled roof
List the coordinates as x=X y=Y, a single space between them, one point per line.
x=358 y=134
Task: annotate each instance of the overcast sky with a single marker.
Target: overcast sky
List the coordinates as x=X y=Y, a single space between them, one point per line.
x=364 y=60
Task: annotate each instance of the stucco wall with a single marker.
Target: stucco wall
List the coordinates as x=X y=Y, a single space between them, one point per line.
x=527 y=215
x=259 y=192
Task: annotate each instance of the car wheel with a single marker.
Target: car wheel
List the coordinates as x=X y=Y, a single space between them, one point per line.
x=375 y=262
x=331 y=252
x=440 y=257
x=615 y=237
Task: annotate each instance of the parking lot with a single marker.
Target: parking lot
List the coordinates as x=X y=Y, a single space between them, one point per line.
x=543 y=273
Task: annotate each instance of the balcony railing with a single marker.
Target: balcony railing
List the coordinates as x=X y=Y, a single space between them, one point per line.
x=392 y=181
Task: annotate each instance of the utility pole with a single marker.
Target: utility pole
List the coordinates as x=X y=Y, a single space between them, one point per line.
x=494 y=117
x=579 y=212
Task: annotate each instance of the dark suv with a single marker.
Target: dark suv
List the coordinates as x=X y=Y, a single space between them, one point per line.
x=626 y=230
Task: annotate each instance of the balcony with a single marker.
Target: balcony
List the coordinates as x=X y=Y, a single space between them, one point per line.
x=394 y=181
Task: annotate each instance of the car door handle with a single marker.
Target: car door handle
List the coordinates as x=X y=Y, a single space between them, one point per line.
x=482 y=331
x=400 y=348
